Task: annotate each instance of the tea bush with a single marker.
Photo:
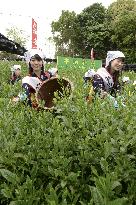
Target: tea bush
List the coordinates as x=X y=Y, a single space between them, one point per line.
x=78 y=154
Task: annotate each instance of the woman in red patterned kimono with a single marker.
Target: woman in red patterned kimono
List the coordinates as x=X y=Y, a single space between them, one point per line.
x=16 y=74
x=34 y=80
x=105 y=81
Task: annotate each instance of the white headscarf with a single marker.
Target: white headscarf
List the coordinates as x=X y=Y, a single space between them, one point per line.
x=90 y=73
x=111 y=55
x=53 y=71
x=15 y=67
x=29 y=54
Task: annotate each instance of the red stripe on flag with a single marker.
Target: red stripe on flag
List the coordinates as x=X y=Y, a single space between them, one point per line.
x=34 y=34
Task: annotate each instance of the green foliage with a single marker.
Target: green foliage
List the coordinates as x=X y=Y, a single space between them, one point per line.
x=120 y=6
x=65 y=31
x=76 y=154
x=92 y=29
x=16 y=35
x=123 y=26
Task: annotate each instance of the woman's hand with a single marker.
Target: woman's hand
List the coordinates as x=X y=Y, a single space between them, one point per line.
x=103 y=94
x=15 y=99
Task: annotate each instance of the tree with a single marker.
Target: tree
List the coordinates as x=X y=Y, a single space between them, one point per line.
x=119 y=7
x=122 y=19
x=65 y=32
x=95 y=33
x=17 y=35
x=99 y=38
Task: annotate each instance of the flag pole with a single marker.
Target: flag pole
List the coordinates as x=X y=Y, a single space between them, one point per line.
x=92 y=58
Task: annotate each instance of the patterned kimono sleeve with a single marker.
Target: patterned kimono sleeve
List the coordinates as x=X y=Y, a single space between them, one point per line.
x=11 y=80
x=29 y=95
x=98 y=84
x=24 y=95
x=86 y=79
x=116 y=90
x=118 y=87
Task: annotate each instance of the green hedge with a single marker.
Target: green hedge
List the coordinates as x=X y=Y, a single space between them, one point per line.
x=77 y=154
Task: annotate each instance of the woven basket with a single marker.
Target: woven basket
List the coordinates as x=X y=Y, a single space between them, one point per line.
x=54 y=88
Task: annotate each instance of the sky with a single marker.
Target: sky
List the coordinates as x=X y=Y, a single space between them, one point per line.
x=19 y=13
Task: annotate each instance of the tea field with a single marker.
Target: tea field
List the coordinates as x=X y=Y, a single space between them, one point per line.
x=78 y=155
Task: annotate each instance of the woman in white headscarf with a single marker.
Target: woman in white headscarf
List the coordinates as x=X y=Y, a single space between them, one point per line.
x=106 y=80
x=37 y=75
x=15 y=74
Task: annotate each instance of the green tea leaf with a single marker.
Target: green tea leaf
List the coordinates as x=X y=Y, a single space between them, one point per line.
x=9 y=176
